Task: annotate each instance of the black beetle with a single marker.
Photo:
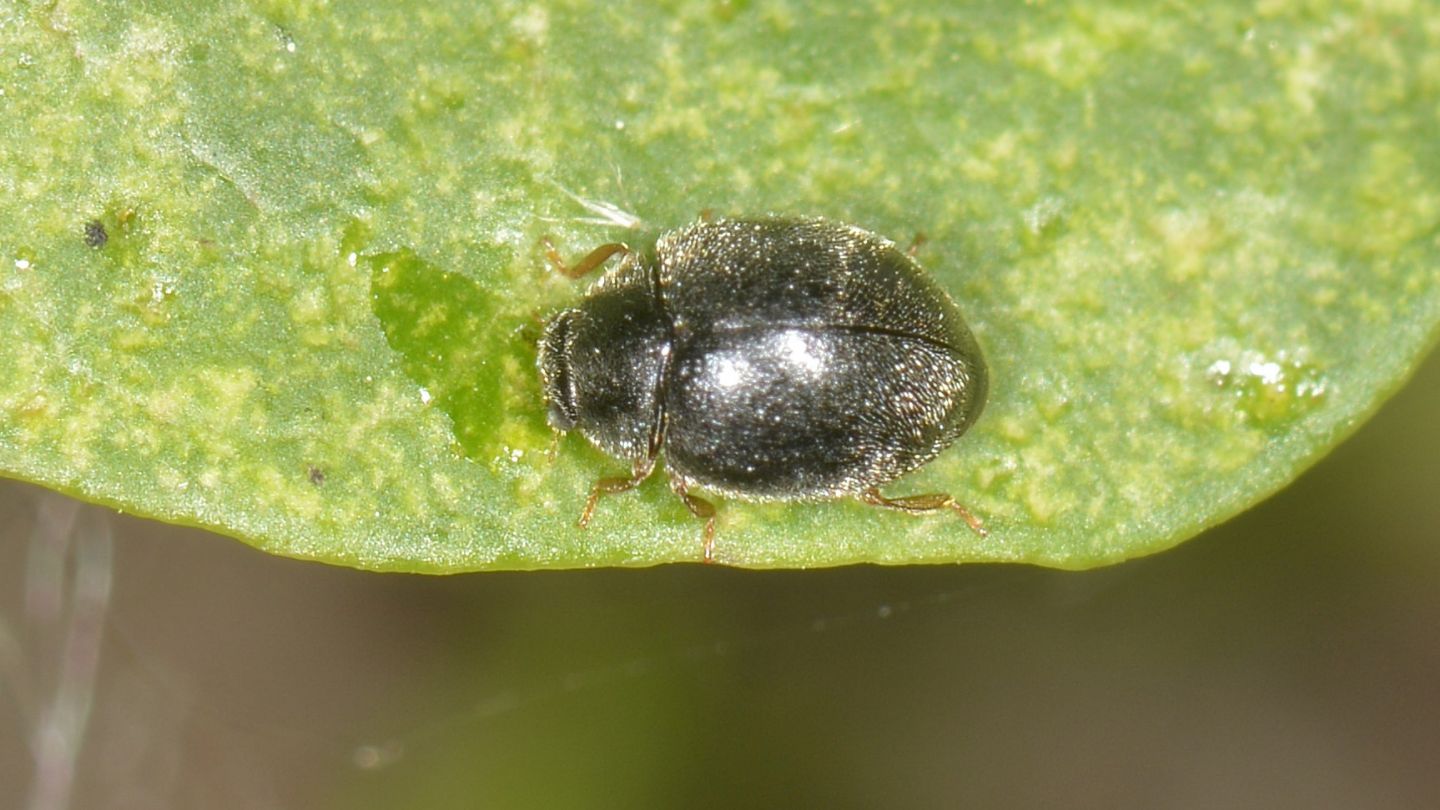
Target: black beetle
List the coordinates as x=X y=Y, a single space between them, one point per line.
x=770 y=359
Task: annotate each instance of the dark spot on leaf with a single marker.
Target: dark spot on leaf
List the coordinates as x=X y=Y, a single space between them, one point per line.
x=95 y=234
x=317 y=476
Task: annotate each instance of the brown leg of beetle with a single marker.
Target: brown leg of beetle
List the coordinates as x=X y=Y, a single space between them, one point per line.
x=915 y=244
x=612 y=486
x=701 y=508
x=592 y=260
x=924 y=503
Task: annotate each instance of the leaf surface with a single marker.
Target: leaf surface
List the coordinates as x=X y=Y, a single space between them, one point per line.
x=274 y=268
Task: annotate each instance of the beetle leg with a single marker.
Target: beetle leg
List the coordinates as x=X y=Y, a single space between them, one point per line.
x=612 y=486
x=920 y=239
x=924 y=503
x=701 y=508
x=592 y=260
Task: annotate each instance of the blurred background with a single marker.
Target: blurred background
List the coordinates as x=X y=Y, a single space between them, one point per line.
x=1288 y=658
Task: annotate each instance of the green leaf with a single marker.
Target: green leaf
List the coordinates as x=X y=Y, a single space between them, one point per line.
x=273 y=268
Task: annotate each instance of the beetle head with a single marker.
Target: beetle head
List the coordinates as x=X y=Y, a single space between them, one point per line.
x=555 y=373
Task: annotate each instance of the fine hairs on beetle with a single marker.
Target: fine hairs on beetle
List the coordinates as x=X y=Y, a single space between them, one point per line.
x=766 y=359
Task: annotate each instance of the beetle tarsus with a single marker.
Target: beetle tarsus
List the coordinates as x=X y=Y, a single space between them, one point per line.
x=701 y=508
x=614 y=486
x=931 y=502
x=592 y=260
